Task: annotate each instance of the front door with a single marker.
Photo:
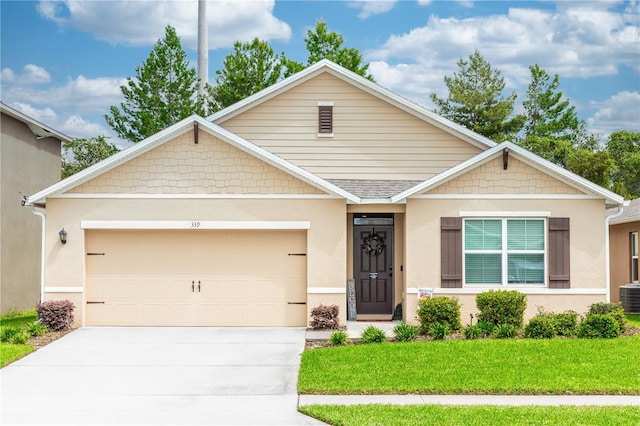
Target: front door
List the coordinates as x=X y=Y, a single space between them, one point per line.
x=373 y=268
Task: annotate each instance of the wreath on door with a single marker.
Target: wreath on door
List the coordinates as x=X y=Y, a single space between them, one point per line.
x=373 y=245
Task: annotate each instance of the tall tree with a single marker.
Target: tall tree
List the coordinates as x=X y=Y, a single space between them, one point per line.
x=624 y=149
x=81 y=153
x=324 y=44
x=251 y=67
x=476 y=101
x=163 y=92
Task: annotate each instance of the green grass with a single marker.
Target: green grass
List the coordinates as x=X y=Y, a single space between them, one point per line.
x=18 y=319
x=634 y=319
x=513 y=366
x=10 y=353
x=361 y=415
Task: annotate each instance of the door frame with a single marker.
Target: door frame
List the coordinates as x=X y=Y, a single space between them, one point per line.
x=374 y=219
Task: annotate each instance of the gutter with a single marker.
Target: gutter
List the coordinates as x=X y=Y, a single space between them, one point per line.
x=42 y=249
x=607 y=258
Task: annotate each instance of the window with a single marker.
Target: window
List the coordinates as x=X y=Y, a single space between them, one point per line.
x=504 y=251
x=634 y=257
x=325 y=119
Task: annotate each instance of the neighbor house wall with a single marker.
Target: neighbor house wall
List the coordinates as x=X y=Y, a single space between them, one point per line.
x=620 y=255
x=491 y=189
x=27 y=165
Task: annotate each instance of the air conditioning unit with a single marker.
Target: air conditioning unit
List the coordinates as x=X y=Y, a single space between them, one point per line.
x=630 y=298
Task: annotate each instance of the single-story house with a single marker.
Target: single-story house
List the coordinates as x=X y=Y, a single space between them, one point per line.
x=624 y=227
x=324 y=188
x=30 y=159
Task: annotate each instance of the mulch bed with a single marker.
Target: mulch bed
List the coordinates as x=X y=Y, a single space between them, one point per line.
x=44 y=339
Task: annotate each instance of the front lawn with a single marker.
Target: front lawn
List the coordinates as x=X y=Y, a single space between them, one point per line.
x=418 y=415
x=511 y=366
x=10 y=353
x=634 y=319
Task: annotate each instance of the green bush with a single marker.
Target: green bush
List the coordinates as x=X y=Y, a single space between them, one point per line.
x=373 y=334
x=502 y=307
x=505 y=331
x=338 y=338
x=565 y=323
x=20 y=338
x=540 y=327
x=486 y=328
x=614 y=310
x=596 y=326
x=439 y=331
x=7 y=333
x=472 y=332
x=36 y=329
x=439 y=310
x=406 y=332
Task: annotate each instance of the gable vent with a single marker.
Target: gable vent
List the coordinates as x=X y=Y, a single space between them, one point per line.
x=325 y=119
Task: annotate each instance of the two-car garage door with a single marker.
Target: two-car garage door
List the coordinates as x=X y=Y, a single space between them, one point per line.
x=196 y=277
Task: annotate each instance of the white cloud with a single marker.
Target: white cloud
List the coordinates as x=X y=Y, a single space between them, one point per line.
x=45 y=115
x=372 y=7
x=32 y=74
x=80 y=128
x=142 y=23
x=620 y=112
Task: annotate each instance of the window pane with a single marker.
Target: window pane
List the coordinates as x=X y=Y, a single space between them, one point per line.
x=634 y=270
x=525 y=234
x=526 y=269
x=483 y=235
x=483 y=268
x=634 y=244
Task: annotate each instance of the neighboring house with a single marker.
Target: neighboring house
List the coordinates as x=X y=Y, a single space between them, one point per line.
x=624 y=228
x=269 y=207
x=29 y=161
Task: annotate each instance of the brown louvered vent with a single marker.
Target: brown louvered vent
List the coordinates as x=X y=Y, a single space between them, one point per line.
x=325 y=119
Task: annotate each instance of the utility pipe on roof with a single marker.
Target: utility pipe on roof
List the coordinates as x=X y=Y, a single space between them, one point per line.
x=607 y=248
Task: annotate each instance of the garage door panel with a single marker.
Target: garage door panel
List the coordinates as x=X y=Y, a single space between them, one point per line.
x=240 y=278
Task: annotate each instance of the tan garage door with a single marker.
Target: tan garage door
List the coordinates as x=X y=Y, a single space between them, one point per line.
x=196 y=277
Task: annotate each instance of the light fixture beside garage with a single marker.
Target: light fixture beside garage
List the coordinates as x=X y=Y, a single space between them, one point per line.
x=63 y=236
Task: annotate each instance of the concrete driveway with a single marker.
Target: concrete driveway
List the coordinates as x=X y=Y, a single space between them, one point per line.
x=158 y=376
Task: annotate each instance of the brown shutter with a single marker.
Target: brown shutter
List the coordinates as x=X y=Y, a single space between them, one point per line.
x=451 y=252
x=559 y=252
x=325 y=119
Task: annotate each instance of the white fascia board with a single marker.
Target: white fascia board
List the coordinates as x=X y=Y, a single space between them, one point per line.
x=115 y=160
x=36 y=127
x=194 y=224
x=277 y=161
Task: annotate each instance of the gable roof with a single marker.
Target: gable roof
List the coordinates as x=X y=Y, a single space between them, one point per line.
x=326 y=66
x=531 y=159
x=40 y=130
x=171 y=132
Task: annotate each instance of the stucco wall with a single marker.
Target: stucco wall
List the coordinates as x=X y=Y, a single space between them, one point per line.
x=620 y=256
x=26 y=165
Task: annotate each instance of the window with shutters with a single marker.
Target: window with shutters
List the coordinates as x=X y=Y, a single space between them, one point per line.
x=504 y=251
x=325 y=119
x=634 y=257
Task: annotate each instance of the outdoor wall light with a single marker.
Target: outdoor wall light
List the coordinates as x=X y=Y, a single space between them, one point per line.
x=63 y=236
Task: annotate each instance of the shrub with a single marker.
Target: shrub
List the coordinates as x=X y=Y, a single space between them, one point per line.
x=599 y=326
x=540 y=327
x=20 y=338
x=323 y=317
x=406 y=332
x=486 y=328
x=439 y=331
x=36 y=329
x=338 y=338
x=472 y=332
x=7 y=333
x=56 y=315
x=565 y=323
x=505 y=331
x=373 y=334
x=614 y=310
x=439 y=310
x=502 y=307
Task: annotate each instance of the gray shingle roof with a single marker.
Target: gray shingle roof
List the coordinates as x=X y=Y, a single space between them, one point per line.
x=374 y=188
x=629 y=214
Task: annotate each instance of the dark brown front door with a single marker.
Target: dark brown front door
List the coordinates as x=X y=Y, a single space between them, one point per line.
x=373 y=268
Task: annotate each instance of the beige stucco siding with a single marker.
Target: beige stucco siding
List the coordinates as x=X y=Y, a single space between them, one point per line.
x=620 y=255
x=209 y=167
x=491 y=178
x=326 y=237
x=372 y=139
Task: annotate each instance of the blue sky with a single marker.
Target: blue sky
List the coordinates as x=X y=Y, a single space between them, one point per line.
x=62 y=62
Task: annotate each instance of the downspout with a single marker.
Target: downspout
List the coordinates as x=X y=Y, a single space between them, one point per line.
x=42 y=250
x=607 y=248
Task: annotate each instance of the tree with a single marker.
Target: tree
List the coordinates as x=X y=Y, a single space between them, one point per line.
x=81 y=153
x=624 y=149
x=250 y=68
x=475 y=100
x=163 y=92
x=322 y=44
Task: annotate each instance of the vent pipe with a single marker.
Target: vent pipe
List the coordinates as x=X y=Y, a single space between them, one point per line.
x=203 y=47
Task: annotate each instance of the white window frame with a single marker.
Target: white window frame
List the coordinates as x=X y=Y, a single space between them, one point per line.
x=633 y=251
x=505 y=252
